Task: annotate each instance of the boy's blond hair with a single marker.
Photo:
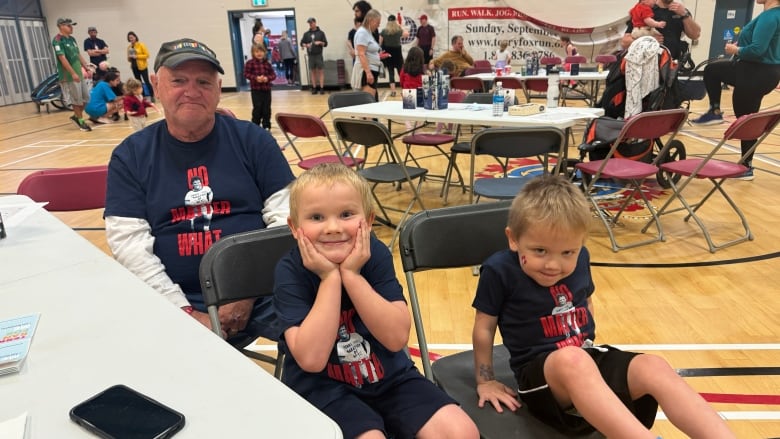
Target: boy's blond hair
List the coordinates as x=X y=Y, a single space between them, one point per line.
x=131 y=85
x=259 y=48
x=328 y=174
x=551 y=200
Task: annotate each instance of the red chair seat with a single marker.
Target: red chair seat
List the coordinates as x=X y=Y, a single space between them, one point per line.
x=620 y=168
x=711 y=169
x=314 y=161
x=426 y=139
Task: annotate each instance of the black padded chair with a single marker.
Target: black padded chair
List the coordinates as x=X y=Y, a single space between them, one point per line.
x=392 y=170
x=241 y=266
x=509 y=143
x=426 y=243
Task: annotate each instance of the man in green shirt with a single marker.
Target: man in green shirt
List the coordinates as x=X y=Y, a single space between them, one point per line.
x=69 y=71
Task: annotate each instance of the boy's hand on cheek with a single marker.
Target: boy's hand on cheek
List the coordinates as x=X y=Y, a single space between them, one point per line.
x=361 y=252
x=313 y=259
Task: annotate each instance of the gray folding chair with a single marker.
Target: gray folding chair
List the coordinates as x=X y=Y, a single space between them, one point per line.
x=393 y=170
x=241 y=266
x=426 y=243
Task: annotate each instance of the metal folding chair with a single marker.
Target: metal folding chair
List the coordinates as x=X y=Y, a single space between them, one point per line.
x=241 y=266
x=648 y=125
x=468 y=84
x=509 y=143
x=751 y=126
x=393 y=170
x=426 y=244
x=295 y=126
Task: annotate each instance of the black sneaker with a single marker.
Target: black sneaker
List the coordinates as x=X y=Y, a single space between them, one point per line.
x=126 y=116
x=83 y=126
x=322 y=91
x=115 y=117
x=314 y=90
x=75 y=120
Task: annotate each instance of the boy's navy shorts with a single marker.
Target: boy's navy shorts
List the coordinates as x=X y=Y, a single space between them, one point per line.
x=613 y=365
x=400 y=411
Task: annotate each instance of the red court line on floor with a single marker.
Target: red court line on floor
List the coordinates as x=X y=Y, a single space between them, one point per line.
x=741 y=399
x=416 y=353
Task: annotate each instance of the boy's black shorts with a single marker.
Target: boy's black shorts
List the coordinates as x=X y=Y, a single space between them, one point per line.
x=613 y=365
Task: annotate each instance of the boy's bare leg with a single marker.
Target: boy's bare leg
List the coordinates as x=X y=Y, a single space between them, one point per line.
x=686 y=409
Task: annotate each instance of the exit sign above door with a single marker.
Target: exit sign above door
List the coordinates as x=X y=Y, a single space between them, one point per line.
x=259 y=3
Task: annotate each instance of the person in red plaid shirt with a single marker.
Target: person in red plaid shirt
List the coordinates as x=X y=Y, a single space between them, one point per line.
x=260 y=74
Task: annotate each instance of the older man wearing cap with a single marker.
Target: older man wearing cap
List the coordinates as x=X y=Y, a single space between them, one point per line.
x=69 y=71
x=426 y=38
x=314 y=40
x=179 y=185
x=96 y=48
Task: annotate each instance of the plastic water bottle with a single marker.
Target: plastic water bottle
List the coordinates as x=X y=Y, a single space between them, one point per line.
x=498 y=100
x=552 y=88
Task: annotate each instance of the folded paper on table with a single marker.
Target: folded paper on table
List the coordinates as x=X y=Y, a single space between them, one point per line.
x=15 y=338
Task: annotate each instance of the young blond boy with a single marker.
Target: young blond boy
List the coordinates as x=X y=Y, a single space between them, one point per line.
x=538 y=293
x=344 y=320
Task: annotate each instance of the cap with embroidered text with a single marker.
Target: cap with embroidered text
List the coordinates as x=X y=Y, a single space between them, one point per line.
x=173 y=53
x=311 y=19
x=423 y=17
x=68 y=21
x=91 y=28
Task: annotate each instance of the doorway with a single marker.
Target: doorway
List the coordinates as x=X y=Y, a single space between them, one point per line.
x=276 y=20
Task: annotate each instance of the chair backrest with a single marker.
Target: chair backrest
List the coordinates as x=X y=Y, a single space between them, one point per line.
x=520 y=142
x=605 y=59
x=307 y=127
x=472 y=84
x=482 y=63
x=753 y=126
x=435 y=239
x=67 y=189
x=363 y=132
x=576 y=59
x=456 y=96
x=479 y=98
x=477 y=70
x=349 y=98
x=241 y=266
x=510 y=82
x=550 y=60
x=653 y=124
x=537 y=85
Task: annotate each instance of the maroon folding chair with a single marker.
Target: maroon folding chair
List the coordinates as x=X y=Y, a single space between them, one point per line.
x=67 y=189
x=467 y=84
x=295 y=126
x=750 y=126
x=648 y=125
x=482 y=63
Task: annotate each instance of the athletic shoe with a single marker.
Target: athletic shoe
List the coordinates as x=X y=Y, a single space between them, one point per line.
x=115 y=117
x=747 y=176
x=96 y=121
x=314 y=90
x=83 y=126
x=104 y=120
x=322 y=91
x=709 y=118
x=75 y=120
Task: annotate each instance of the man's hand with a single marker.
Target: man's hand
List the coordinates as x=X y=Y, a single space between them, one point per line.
x=234 y=316
x=677 y=7
x=204 y=320
x=497 y=394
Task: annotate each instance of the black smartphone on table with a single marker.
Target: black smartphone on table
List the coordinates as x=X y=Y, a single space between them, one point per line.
x=120 y=412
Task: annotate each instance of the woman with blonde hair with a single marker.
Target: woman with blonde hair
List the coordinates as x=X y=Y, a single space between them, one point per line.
x=367 y=49
x=390 y=40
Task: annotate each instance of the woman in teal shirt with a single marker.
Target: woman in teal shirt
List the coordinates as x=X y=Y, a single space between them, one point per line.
x=754 y=71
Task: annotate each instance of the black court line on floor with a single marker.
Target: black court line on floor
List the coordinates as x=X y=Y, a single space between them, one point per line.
x=727 y=371
x=688 y=264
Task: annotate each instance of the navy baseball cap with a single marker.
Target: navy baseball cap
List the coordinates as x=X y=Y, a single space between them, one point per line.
x=173 y=53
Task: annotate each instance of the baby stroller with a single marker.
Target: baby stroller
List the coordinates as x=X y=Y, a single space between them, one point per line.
x=49 y=92
x=600 y=133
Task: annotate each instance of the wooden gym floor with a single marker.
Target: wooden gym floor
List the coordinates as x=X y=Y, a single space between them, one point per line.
x=704 y=312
